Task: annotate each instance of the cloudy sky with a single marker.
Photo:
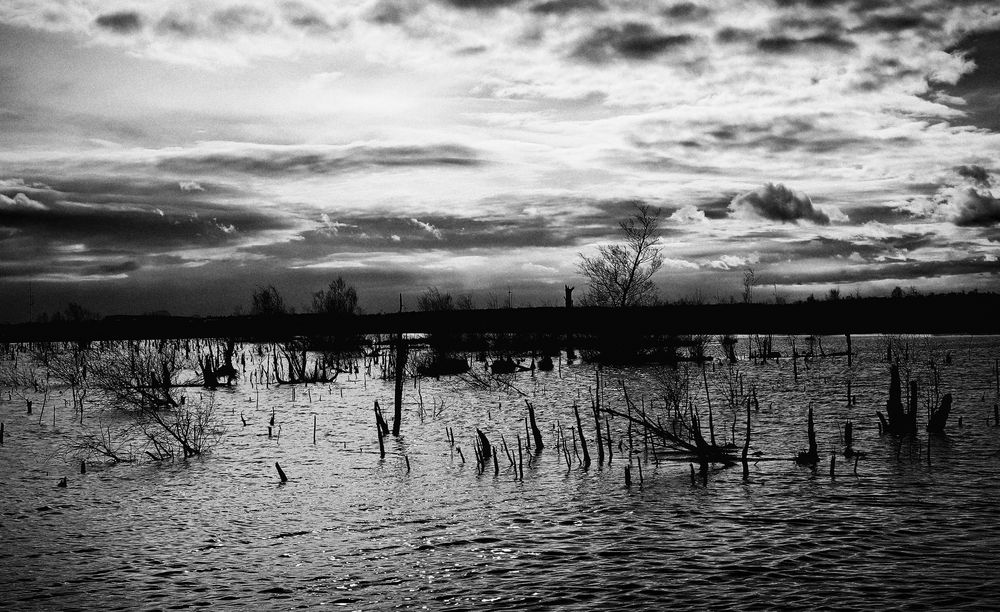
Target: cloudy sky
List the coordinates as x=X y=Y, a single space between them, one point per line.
x=162 y=154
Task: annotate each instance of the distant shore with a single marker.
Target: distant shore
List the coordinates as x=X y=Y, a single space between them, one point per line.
x=973 y=313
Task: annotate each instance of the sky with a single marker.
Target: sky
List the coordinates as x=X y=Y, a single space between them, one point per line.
x=175 y=155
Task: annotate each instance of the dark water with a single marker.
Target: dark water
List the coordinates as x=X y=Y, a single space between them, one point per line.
x=915 y=527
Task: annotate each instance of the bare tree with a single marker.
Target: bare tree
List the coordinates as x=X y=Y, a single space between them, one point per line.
x=749 y=280
x=339 y=298
x=621 y=274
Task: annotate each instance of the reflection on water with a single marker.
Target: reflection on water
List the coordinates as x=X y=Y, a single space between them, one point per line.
x=915 y=527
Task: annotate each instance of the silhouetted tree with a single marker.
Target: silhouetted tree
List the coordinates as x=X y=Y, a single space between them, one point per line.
x=749 y=280
x=338 y=298
x=621 y=274
x=267 y=301
x=433 y=300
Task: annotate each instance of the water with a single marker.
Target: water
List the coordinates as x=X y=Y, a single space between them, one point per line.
x=911 y=528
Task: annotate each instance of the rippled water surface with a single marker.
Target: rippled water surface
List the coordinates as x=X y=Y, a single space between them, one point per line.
x=915 y=525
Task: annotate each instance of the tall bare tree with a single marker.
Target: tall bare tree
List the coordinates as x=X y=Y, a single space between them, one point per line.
x=622 y=274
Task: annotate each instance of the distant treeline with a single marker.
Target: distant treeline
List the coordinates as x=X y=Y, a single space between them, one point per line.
x=971 y=313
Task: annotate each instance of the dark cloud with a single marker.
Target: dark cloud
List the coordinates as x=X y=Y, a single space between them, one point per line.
x=976 y=174
x=115 y=216
x=686 y=11
x=910 y=241
x=823 y=23
x=873 y=271
x=637 y=41
x=734 y=35
x=778 y=203
x=974 y=208
x=894 y=22
x=785 y=44
x=810 y=135
x=242 y=19
x=484 y=5
x=301 y=16
x=562 y=7
x=876 y=213
x=120 y=22
x=980 y=87
x=295 y=160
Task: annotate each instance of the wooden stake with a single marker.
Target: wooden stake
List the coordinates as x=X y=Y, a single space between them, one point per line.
x=281 y=473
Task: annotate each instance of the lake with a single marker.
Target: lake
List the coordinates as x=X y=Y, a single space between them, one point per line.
x=912 y=524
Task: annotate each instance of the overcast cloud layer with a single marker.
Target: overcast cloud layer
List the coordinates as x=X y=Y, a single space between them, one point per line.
x=173 y=155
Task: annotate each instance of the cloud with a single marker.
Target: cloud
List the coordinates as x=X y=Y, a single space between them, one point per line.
x=562 y=7
x=21 y=201
x=688 y=215
x=962 y=205
x=120 y=22
x=483 y=5
x=977 y=174
x=974 y=208
x=685 y=11
x=636 y=41
x=785 y=44
x=777 y=203
x=427 y=227
x=267 y=160
x=730 y=262
x=894 y=22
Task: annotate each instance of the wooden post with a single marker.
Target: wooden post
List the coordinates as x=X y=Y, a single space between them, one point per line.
x=401 y=354
x=281 y=472
x=628 y=475
x=520 y=457
x=850 y=354
x=597 y=430
x=583 y=441
x=535 y=432
x=708 y=398
x=381 y=443
x=746 y=448
x=1 y=434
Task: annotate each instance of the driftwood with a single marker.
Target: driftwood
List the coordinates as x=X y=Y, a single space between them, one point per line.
x=696 y=447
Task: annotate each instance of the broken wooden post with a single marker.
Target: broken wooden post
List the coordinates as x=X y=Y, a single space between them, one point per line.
x=381 y=442
x=314 y=429
x=401 y=354
x=520 y=457
x=1 y=434
x=833 y=465
x=485 y=445
x=535 y=432
x=850 y=355
x=810 y=457
x=380 y=420
x=939 y=418
x=597 y=429
x=708 y=398
x=628 y=475
x=281 y=472
x=746 y=447
x=848 y=439
x=583 y=441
